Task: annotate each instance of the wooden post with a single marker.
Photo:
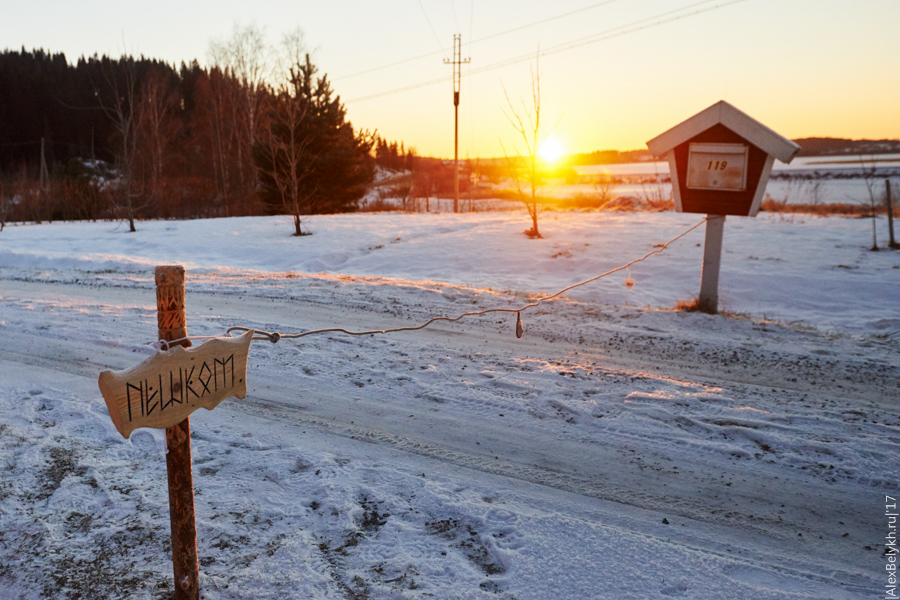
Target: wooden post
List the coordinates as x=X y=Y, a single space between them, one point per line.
x=890 y=213
x=712 y=257
x=172 y=324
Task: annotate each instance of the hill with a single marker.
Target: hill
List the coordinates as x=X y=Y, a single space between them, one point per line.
x=824 y=146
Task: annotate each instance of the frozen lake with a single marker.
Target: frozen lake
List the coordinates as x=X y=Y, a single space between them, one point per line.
x=845 y=165
x=810 y=179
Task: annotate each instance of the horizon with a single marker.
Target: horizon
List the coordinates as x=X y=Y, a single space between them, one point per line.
x=612 y=74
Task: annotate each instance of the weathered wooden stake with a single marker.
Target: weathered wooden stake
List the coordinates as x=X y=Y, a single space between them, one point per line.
x=172 y=324
x=712 y=258
x=890 y=212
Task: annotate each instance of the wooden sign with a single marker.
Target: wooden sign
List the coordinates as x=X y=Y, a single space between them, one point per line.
x=167 y=387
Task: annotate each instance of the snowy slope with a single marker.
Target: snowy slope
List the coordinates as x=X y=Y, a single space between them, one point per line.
x=618 y=450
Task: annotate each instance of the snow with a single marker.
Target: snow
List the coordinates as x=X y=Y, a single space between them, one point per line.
x=804 y=269
x=620 y=449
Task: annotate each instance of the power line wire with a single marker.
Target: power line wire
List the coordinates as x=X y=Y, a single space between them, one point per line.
x=618 y=31
x=593 y=39
x=475 y=41
x=436 y=37
x=547 y=20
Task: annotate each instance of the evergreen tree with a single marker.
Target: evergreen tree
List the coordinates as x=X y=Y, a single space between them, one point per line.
x=312 y=161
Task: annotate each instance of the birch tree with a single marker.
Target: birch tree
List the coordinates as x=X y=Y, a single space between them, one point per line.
x=523 y=166
x=244 y=59
x=121 y=112
x=312 y=161
x=158 y=101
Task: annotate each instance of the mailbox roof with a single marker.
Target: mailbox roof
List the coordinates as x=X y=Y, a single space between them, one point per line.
x=745 y=126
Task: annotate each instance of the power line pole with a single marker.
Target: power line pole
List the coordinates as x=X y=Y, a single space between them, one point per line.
x=456 y=62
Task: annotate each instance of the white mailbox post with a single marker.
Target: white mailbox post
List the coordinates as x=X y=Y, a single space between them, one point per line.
x=719 y=161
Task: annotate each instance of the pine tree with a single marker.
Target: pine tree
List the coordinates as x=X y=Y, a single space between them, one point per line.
x=312 y=161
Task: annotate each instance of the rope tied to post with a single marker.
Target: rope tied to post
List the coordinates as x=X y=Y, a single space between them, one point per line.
x=276 y=336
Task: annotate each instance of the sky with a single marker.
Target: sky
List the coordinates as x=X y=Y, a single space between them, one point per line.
x=613 y=73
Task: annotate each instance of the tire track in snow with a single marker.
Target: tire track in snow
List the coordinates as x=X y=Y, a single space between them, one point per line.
x=792 y=569
x=67 y=354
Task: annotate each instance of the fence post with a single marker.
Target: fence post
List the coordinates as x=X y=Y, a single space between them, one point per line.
x=712 y=258
x=172 y=324
x=890 y=213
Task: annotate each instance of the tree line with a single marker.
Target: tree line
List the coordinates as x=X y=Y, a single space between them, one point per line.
x=134 y=137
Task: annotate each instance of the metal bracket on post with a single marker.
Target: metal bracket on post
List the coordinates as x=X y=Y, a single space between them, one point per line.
x=172 y=326
x=712 y=258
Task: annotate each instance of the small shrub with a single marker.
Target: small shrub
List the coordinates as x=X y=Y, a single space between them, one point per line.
x=770 y=204
x=378 y=205
x=689 y=305
x=693 y=305
x=582 y=201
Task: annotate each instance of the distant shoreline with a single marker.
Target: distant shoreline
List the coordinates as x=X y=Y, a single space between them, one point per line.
x=840 y=151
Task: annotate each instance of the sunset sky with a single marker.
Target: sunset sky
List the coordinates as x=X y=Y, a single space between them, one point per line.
x=614 y=73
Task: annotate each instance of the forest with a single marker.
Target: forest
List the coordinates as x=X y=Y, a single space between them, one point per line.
x=133 y=138
x=136 y=138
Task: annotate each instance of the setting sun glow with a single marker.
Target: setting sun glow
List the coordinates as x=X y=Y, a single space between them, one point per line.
x=551 y=150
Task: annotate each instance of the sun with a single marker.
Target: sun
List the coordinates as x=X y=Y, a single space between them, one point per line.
x=551 y=150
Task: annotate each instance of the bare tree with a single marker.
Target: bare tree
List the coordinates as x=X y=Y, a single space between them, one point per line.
x=284 y=155
x=289 y=54
x=244 y=58
x=871 y=182
x=221 y=100
x=527 y=123
x=25 y=196
x=603 y=186
x=156 y=106
x=423 y=186
x=6 y=197
x=403 y=191
x=121 y=111
x=654 y=192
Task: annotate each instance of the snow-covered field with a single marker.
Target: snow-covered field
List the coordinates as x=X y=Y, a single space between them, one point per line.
x=620 y=449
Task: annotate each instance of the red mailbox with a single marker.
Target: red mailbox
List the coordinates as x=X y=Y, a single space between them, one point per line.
x=720 y=161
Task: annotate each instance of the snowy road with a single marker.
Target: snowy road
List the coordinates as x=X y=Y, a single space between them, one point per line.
x=637 y=452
